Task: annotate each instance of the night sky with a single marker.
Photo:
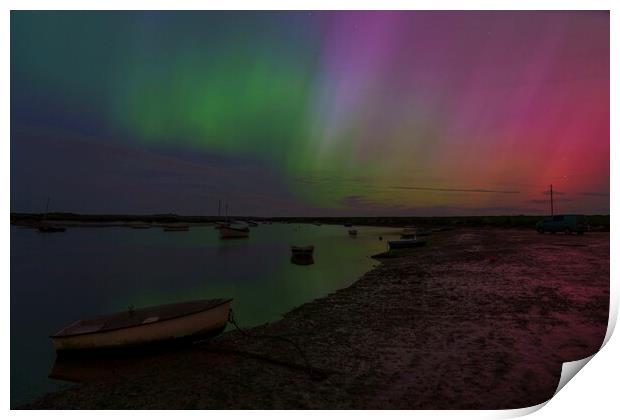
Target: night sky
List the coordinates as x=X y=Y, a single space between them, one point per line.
x=310 y=113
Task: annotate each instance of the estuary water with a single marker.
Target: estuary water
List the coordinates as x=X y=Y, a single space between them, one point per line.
x=57 y=278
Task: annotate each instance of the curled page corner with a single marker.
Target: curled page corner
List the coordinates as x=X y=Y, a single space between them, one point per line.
x=520 y=412
x=570 y=369
x=613 y=316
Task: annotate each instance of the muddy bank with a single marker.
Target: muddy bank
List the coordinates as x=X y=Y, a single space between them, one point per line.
x=477 y=319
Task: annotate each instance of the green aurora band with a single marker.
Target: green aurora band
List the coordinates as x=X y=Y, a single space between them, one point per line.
x=341 y=104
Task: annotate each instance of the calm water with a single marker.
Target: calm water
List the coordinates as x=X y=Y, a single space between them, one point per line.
x=57 y=278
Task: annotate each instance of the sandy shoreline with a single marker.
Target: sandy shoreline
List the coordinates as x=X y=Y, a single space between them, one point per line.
x=480 y=318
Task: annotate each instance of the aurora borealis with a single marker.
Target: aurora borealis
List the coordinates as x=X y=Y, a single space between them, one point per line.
x=310 y=113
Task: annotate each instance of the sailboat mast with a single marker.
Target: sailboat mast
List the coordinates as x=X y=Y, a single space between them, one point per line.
x=47 y=207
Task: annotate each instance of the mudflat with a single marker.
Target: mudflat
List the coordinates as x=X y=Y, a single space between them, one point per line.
x=477 y=319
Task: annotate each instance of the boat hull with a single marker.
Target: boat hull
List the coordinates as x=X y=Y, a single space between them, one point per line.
x=302 y=250
x=51 y=229
x=188 y=327
x=172 y=228
x=227 y=232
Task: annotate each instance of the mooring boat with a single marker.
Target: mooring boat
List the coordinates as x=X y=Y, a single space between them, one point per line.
x=140 y=226
x=406 y=243
x=302 y=255
x=302 y=250
x=157 y=324
x=229 y=232
x=176 y=228
x=423 y=232
x=409 y=231
x=47 y=228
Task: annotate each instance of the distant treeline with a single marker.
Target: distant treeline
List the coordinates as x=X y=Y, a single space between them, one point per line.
x=598 y=221
x=595 y=221
x=111 y=218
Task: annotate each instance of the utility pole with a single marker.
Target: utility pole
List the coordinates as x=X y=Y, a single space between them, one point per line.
x=219 y=208
x=551 y=189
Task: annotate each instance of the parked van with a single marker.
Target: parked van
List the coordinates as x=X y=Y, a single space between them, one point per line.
x=567 y=223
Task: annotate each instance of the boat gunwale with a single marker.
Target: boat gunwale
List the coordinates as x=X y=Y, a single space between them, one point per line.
x=57 y=336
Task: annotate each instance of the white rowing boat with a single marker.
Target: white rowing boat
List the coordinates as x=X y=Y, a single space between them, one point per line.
x=156 y=324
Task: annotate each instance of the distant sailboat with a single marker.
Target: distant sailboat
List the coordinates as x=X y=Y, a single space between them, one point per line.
x=231 y=232
x=46 y=227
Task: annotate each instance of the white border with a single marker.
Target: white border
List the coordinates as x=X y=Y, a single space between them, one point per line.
x=593 y=394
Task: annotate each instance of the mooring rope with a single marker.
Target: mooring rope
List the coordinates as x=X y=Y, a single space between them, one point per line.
x=313 y=372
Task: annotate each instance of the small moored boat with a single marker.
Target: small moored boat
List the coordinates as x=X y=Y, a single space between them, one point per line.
x=176 y=228
x=48 y=228
x=409 y=231
x=140 y=226
x=406 y=243
x=229 y=232
x=423 y=232
x=302 y=250
x=352 y=232
x=186 y=320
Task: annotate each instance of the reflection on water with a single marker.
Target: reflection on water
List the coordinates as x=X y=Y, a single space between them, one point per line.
x=302 y=259
x=56 y=279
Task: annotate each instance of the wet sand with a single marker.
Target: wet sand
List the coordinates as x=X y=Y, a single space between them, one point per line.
x=477 y=319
